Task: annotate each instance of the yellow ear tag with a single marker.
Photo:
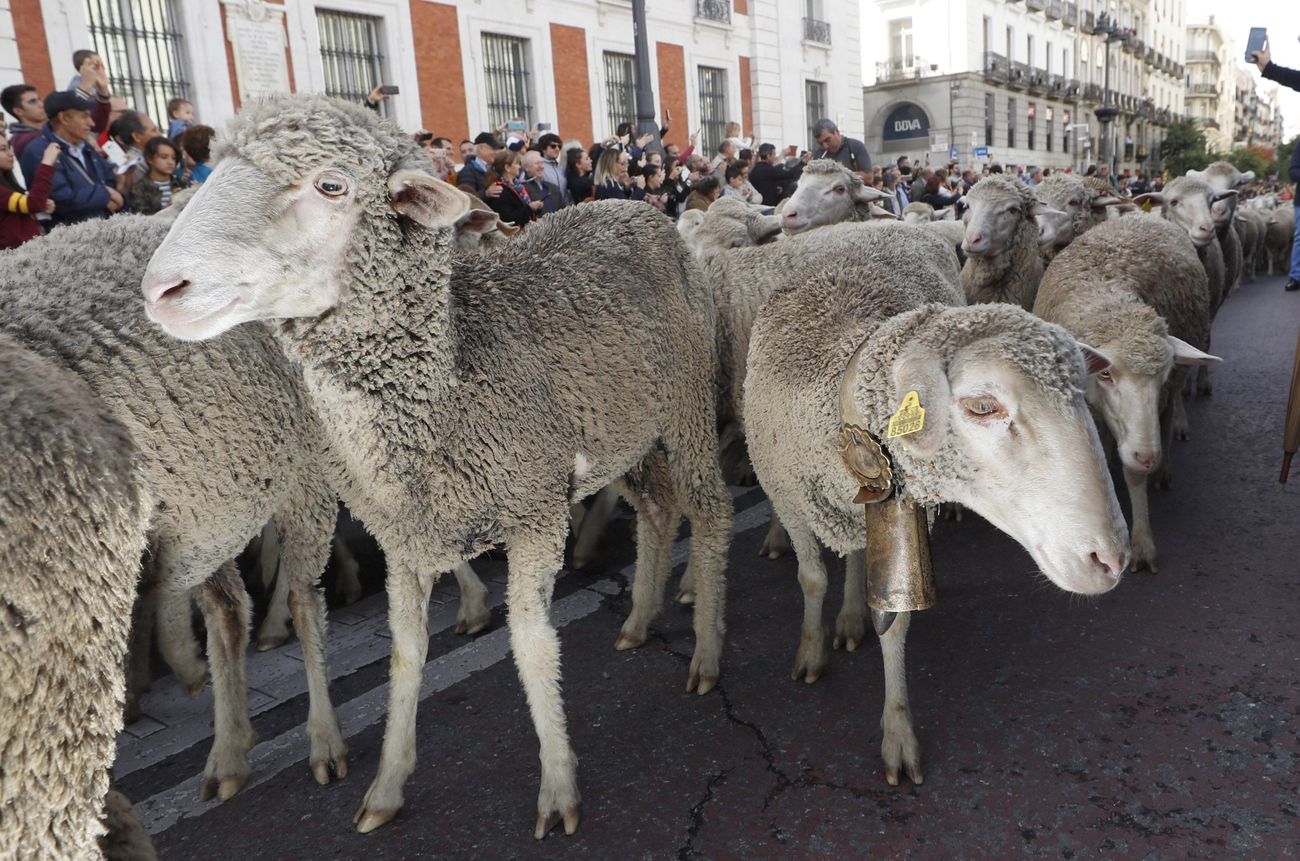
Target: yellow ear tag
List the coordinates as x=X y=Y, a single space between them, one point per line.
x=910 y=417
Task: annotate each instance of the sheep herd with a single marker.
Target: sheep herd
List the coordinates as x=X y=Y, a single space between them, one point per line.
x=327 y=321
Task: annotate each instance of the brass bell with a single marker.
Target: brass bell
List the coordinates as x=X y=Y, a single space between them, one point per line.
x=900 y=577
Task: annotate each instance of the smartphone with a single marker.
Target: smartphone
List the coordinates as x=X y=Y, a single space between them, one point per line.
x=543 y=127
x=516 y=126
x=389 y=89
x=1258 y=41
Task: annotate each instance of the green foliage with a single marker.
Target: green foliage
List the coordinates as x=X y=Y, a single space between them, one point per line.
x=1184 y=149
x=1284 y=158
x=1248 y=159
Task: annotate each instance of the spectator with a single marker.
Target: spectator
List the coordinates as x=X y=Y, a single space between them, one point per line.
x=1035 y=177
x=108 y=146
x=472 y=178
x=612 y=178
x=79 y=60
x=675 y=186
x=512 y=202
x=634 y=146
x=152 y=191
x=180 y=116
x=22 y=103
x=131 y=131
x=196 y=149
x=704 y=193
x=536 y=183
x=83 y=185
x=578 y=175
x=904 y=165
x=1103 y=172
x=91 y=81
x=773 y=180
x=1289 y=78
x=18 y=215
x=725 y=157
x=656 y=193
x=897 y=189
x=919 y=179
x=731 y=132
x=849 y=152
x=736 y=174
x=550 y=146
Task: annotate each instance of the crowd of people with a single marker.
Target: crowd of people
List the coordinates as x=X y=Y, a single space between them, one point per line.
x=82 y=153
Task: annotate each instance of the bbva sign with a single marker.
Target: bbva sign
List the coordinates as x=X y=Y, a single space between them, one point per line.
x=905 y=122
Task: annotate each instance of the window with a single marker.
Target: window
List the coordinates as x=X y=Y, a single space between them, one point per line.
x=506 y=79
x=620 y=89
x=988 y=119
x=1065 y=132
x=140 y=42
x=1029 y=50
x=900 y=42
x=815 y=105
x=988 y=35
x=349 y=50
x=1031 y=121
x=1011 y=44
x=1011 y=123
x=1047 y=53
x=1048 y=125
x=713 y=107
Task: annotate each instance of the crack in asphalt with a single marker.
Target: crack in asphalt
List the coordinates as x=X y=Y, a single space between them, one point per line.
x=687 y=852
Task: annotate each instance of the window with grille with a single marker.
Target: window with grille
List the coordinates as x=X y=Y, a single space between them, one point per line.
x=140 y=42
x=815 y=101
x=1011 y=123
x=620 y=89
x=1031 y=122
x=713 y=107
x=350 y=52
x=988 y=119
x=506 y=79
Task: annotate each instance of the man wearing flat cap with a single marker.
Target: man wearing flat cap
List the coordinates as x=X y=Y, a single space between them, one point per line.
x=84 y=184
x=472 y=178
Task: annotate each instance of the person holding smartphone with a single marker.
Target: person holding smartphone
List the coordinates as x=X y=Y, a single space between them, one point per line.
x=773 y=180
x=1288 y=78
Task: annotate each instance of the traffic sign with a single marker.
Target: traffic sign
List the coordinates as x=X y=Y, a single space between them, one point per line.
x=981 y=152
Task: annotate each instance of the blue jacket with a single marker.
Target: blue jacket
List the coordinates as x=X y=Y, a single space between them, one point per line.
x=79 y=193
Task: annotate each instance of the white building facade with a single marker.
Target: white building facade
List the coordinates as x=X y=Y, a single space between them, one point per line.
x=1019 y=81
x=463 y=66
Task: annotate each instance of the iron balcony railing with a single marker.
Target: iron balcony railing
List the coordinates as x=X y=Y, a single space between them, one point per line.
x=1088 y=21
x=1150 y=56
x=1055 y=10
x=1055 y=84
x=1036 y=5
x=714 y=10
x=1203 y=89
x=1071 y=16
x=817 y=31
x=997 y=67
x=1073 y=88
x=903 y=68
x=1092 y=92
x=1019 y=75
x=1202 y=56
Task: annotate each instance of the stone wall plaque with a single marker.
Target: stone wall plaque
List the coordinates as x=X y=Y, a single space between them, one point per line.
x=257 y=36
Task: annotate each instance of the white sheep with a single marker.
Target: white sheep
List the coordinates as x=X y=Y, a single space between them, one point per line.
x=466 y=412
x=1223 y=176
x=867 y=318
x=229 y=441
x=828 y=193
x=1278 y=237
x=73 y=510
x=1069 y=207
x=1134 y=289
x=1001 y=243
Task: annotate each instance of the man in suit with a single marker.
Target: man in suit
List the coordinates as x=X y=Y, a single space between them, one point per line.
x=539 y=188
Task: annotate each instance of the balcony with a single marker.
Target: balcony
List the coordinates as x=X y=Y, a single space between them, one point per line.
x=904 y=69
x=1055 y=85
x=1088 y=21
x=996 y=67
x=1092 y=93
x=1150 y=56
x=1020 y=74
x=1132 y=44
x=1207 y=123
x=1203 y=57
x=1202 y=89
x=1055 y=10
x=1071 y=16
x=816 y=31
x=1073 y=88
x=1036 y=5
x=717 y=11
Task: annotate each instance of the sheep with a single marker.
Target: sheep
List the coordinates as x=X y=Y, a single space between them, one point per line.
x=1187 y=202
x=465 y=413
x=828 y=193
x=1223 y=176
x=868 y=317
x=1148 y=310
x=917 y=212
x=1278 y=238
x=1251 y=225
x=1078 y=206
x=229 y=440
x=1001 y=243
x=73 y=511
x=126 y=839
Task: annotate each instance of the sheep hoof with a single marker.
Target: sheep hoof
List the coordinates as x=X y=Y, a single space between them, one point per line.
x=472 y=623
x=368 y=820
x=547 y=821
x=774 y=549
x=809 y=660
x=1182 y=433
x=699 y=683
x=686 y=596
x=269 y=642
x=627 y=641
x=194 y=688
x=222 y=789
x=850 y=631
x=1204 y=388
x=326 y=770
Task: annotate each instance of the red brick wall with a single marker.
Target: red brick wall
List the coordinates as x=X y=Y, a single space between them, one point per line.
x=230 y=56
x=33 y=49
x=436 y=38
x=746 y=99
x=572 y=83
x=672 y=90
x=742 y=8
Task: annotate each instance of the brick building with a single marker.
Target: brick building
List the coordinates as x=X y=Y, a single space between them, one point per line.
x=464 y=65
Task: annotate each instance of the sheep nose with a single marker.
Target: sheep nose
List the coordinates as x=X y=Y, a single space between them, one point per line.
x=157 y=289
x=1108 y=566
x=1146 y=460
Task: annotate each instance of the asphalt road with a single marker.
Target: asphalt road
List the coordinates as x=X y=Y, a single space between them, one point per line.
x=1159 y=721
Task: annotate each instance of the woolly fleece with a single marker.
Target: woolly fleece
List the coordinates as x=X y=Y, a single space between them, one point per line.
x=1011 y=275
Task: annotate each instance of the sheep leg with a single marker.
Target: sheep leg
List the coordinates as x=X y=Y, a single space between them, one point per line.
x=810 y=658
x=654 y=535
x=139 y=670
x=851 y=624
x=274 y=630
x=592 y=527
x=472 y=615
x=306 y=534
x=408 y=621
x=776 y=543
x=348 y=572
x=1143 y=544
x=898 y=745
x=176 y=638
x=1181 y=429
x=226 y=612
x=533 y=563
x=1203 y=386
x=686 y=589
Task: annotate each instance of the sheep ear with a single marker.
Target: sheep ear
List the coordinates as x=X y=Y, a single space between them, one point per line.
x=867 y=194
x=1100 y=203
x=1196 y=174
x=1042 y=209
x=1186 y=354
x=878 y=211
x=1246 y=178
x=922 y=373
x=425 y=199
x=948 y=213
x=1095 y=359
x=1224 y=195
x=1155 y=198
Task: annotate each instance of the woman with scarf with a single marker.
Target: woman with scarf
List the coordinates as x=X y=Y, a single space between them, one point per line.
x=513 y=204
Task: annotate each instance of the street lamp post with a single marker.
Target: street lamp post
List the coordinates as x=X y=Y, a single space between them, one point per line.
x=645 y=97
x=1107 y=112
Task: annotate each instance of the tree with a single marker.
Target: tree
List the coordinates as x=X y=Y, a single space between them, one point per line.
x=1248 y=159
x=1184 y=148
x=1284 y=158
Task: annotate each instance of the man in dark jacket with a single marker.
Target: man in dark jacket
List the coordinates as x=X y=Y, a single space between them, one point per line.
x=472 y=178
x=84 y=185
x=1289 y=78
x=850 y=152
x=772 y=179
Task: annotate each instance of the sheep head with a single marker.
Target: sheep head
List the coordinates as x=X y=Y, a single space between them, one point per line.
x=999 y=213
x=1081 y=205
x=728 y=223
x=303 y=189
x=828 y=193
x=1187 y=201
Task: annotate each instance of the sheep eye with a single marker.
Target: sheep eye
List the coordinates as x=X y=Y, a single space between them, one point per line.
x=331 y=186
x=1104 y=375
x=1074 y=203
x=1015 y=210
x=982 y=407
x=1173 y=203
x=839 y=189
